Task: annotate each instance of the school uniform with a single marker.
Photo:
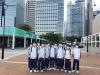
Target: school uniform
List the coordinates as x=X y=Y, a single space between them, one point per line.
x=41 y=56
x=29 y=53
x=47 y=57
x=67 y=59
x=56 y=48
x=60 y=58
x=52 y=57
x=33 y=58
x=76 y=55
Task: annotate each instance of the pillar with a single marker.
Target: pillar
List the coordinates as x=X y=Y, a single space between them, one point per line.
x=95 y=41
x=13 y=41
x=31 y=40
x=8 y=42
x=24 y=42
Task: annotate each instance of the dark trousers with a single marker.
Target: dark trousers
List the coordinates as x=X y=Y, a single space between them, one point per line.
x=60 y=63
x=46 y=63
x=32 y=63
x=41 y=64
x=29 y=62
x=56 y=62
x=52 y=62
x=76 y=64
x=67 y=64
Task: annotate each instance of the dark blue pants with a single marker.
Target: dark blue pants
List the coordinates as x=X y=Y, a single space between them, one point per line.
x=60 y=63
x=41 y=64
x=32 y=63
x=76 y=64
x=52 y=62
x=67 y=64
x=46 y=63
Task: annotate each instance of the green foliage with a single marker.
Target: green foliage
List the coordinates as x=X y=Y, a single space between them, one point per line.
x=53 y=37
x=25 y=27
x=72 y=38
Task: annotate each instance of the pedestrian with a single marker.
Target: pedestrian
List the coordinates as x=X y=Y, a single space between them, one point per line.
x=76 y=60
x=38 y=48
x=47 y=58
x=33 y=58
x=29 y=53
x=60 y=58
x=41 y=56
x=55 y=48
x=67 y=59
x=52 y=57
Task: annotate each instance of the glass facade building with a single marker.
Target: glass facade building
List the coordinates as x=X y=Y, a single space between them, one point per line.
x=49 y=16
x=14 y=14
x=76 y=19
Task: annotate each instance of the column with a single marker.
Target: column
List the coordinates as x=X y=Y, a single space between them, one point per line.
x=13 y=41
x=31 y=40
x=99 y=39
x=95 y=41
x=24 y=42
x=91 y=40
x=8 y=42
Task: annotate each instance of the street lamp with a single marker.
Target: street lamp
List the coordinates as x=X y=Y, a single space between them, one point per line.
x=4 y=7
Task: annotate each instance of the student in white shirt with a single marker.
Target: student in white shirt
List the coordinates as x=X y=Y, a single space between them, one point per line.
x=76 y=56
x=33 y=58
x=67 y=59
x=52 y=56
x=56 y=48
x=47 y=48
x=38 y=47
x=41 y=56
x=29 y=52
x=60 y=58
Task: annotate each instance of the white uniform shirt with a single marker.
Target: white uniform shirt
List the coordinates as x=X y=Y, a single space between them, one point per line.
x=41 y=52
x=47 y=52
x=52 y=52
x=60 y=53
x=76 y=53
x=67 y=54
x=33 y=53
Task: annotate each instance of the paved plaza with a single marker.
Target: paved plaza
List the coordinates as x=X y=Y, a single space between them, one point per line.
x=16 y=64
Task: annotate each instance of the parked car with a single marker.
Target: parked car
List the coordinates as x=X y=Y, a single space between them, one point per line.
x=81 y=46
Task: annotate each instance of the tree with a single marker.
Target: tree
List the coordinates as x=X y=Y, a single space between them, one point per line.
x=25 y=27
x=53 y=37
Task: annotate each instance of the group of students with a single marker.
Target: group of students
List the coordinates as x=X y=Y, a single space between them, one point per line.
x=57 y=57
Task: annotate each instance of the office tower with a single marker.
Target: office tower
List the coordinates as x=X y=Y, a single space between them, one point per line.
x=49 y=16
x=76 y=18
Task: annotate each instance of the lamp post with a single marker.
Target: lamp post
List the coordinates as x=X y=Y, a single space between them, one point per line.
x=88 y=23
x=88 y=20
x=3 y=26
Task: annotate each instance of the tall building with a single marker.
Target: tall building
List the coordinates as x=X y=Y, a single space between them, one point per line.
x=49 y=16
x=14 y=14
x=76 y=18
x=30 y=13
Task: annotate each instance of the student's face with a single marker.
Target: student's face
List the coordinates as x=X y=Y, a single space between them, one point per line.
x=34 y=44
x=76 y=46
x=38 y=44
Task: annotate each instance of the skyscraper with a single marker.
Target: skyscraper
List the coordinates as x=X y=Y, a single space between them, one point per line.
x=30 y=13
x=49 y=16
x=76 y=18
x=14 y=14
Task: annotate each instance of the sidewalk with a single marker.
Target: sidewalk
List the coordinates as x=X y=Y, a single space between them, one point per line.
x=11 y=53
x=17 y=65
x=92 y=49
